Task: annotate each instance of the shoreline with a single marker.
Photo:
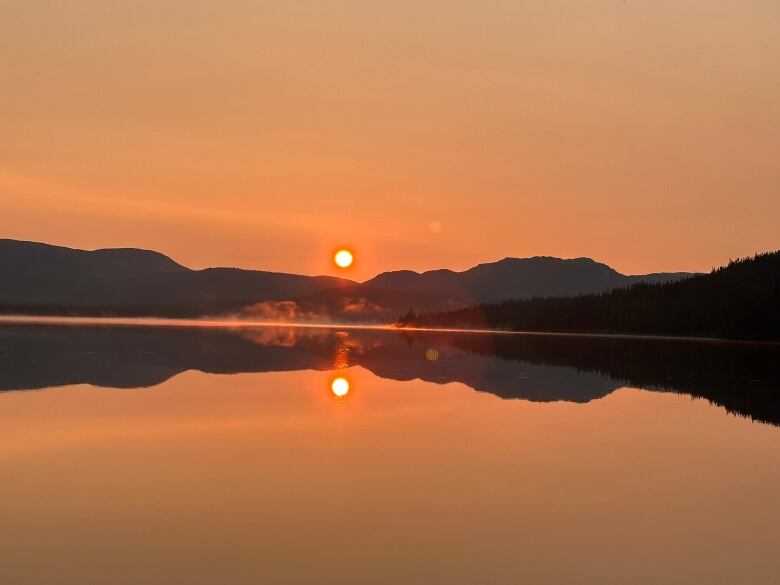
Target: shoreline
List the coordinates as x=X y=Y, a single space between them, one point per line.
x=241 y=324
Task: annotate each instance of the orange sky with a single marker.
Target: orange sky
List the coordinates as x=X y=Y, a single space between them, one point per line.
x=644 y=134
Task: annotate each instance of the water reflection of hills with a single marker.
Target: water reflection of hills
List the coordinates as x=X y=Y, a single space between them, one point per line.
x=743 y=378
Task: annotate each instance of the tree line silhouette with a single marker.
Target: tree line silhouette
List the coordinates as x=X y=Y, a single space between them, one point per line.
x=738 y=301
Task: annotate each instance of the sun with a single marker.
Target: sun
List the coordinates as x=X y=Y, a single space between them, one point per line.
x=343 y=258
x=339 y=387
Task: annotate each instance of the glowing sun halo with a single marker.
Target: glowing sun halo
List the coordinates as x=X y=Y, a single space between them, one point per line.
x=343 y=258
x=340 y=387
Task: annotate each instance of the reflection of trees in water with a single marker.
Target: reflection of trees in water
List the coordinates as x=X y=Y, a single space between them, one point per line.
x=744 y=378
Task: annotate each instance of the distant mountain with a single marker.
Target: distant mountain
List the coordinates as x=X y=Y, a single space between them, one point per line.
x=43 y=279
x=517 y=278
x=738 y=301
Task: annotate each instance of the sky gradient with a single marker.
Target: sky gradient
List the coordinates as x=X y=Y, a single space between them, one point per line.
x=644 y=134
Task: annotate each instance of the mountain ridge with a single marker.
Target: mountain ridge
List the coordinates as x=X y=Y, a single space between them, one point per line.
x=39 y=278
x=519 y=278
x=738 y=301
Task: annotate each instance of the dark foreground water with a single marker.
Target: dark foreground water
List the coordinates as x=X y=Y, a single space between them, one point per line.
x=144 y=456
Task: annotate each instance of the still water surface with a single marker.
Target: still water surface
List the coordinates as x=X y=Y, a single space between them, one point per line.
x=166 y=455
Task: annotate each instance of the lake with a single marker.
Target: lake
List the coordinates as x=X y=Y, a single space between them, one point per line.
x=161 y=455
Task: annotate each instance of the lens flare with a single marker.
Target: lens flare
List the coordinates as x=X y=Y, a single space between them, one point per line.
x=340 y=387
x=343 y=258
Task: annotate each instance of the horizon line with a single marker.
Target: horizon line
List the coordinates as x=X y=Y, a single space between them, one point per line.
x=241 y=324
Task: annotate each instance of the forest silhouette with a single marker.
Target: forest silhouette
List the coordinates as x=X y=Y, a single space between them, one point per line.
x=737 y=301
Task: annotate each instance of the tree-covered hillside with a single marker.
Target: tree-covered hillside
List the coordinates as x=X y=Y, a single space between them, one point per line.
x=738 y=301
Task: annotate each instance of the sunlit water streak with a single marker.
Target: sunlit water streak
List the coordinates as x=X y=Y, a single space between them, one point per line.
x=241 y=323
x=233 y=323
x=162 y=322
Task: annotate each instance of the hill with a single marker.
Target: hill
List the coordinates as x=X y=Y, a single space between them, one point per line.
x=517 y=278
x=39 y=278
x=738 y=301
